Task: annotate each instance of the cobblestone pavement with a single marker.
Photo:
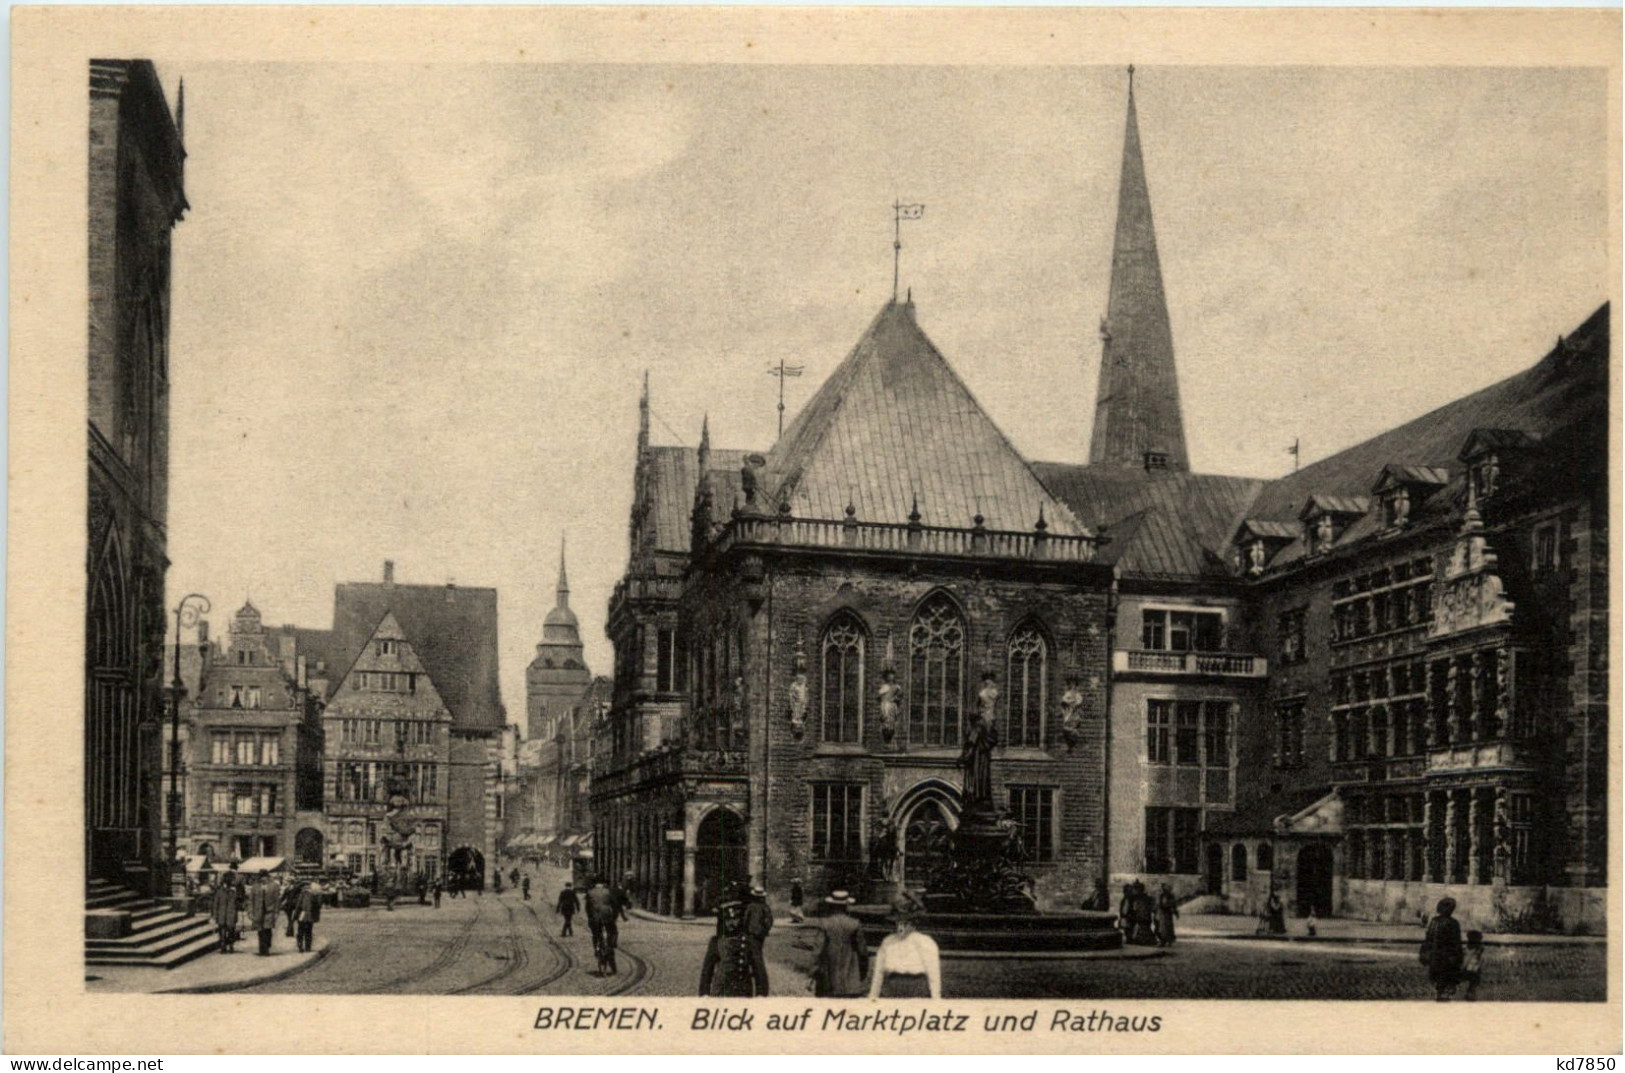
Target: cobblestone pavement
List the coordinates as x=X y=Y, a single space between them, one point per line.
x=503 y=945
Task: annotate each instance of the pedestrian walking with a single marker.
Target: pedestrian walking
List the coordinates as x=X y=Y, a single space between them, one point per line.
x=1275 y=913
x=1311 y=925
x=228 y=899
x=606 y=908
x=1472 y=965
x=496 y=882
x=290 y=898
x=524 y=885
x=908 y=963
x=423 y=889
x=307 y=911
x=733 y=965
x=567 y=907
x=1167 y=909
x=797 y=897
x=1441 y=952
x=840 y=954
x=758 y=915
x=264 y=904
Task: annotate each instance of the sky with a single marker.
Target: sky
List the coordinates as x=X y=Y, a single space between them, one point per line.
x=412 y=305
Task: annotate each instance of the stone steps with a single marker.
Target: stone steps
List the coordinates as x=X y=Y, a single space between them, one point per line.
x=124 y=928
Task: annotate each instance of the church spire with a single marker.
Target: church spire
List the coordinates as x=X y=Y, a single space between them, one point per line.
x=1137 y=415
x=564 y=580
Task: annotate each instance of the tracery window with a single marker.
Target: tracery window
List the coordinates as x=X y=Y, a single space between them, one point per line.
x=841 y=690
x=936 y=687
x=1027 y=659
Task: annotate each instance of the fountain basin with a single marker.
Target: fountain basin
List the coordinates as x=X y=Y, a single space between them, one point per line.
x=1004 y=932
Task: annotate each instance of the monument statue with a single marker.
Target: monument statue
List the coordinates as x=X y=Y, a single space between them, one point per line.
x=976 y=759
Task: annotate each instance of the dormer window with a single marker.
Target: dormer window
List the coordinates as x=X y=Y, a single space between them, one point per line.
x=1156 y=460
x=1396 y=507
x=1485 y=473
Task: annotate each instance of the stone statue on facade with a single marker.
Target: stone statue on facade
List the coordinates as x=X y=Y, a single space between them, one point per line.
x=1255 y=557
x=890 y=703
x=1325 y=534
x=799 y=694
x=1071 y=713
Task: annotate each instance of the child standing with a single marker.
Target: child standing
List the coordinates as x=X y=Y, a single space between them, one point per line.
x=1472 y=962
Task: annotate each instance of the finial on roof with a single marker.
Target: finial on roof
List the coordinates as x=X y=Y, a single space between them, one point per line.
x=1131 y=78
x=1041 y=524
x=705 y=433
x=914 y=510
x=564 y=580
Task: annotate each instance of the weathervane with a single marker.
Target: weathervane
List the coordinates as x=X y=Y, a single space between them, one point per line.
x=900 y=212
x=781 y=371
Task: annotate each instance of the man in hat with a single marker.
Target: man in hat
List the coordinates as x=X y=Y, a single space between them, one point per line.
x=733 y=966
x=264 y=903
x=605 y=911
x=567 y=907
x=758 y=916
x=307 y=911
x=840 y=955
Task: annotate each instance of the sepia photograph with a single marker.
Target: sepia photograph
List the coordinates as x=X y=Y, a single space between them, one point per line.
x=1088 y=533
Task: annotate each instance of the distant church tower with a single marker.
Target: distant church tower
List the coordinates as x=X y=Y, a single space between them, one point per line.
x=558 y=675
x=1137 y=416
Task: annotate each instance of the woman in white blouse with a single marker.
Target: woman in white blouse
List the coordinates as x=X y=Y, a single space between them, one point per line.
x=907 y=965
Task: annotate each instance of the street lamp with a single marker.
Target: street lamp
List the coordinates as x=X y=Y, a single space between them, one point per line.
x=192 y=607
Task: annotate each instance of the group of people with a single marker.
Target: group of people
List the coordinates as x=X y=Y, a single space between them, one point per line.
x=1144 y=920
x=907 y=963
x=1449 y=962
x=253 y=902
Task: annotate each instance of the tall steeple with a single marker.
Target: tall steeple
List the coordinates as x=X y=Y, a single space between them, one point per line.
x=1137 y=415
x=564 y=580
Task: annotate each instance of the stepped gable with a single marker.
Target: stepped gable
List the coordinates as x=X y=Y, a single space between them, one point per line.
x=1162 y=523
x=452 y=629
x=892 y=425
x=1565 y=390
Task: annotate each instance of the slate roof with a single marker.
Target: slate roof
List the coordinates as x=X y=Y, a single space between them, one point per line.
x=1323 y=504
x=1414 y=474
x=1556 y=392
x=452 y=629
x=316 y=646
x=673 y=474
x=1159 y=523
x=893 y=423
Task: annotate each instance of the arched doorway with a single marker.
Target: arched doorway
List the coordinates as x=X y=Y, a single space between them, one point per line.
x=720 y=858
x=465 y=868
x=926 y=832
x=1213 y=869
x=307 y=846
x=1315 y=879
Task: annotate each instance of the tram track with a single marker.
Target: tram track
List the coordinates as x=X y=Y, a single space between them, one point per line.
x=446 y=958
x=518 y=958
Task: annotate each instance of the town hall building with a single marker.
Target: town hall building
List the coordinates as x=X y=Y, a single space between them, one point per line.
x=1367 y=684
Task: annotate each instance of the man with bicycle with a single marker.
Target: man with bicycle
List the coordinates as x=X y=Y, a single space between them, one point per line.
x=605 y=909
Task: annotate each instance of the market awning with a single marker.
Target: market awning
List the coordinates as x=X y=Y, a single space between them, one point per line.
x=256 y=865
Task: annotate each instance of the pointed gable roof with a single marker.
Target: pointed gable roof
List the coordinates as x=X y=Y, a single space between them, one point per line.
x=1137 y=401
x=893 y=423
x=452 y=629
x=403 y=660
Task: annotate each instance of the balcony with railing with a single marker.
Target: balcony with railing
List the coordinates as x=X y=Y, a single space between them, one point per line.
x=645 y=587
x=1189 y=664
x=670 y=762
x=911 y=538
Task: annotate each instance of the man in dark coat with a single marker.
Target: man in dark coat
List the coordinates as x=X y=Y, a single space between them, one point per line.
x=228 y=899
x=264 y=903
x=1441 y=950
x=307 y=911
x=758 y=916
x=567 y=907
x=606 y=908
x=733 y=966
x=290 y=899
x=840 y=954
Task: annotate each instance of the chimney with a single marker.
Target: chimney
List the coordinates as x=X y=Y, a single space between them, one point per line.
x=389 y=571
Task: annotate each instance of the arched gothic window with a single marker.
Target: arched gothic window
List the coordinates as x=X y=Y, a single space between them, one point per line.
x=1238 y=862
x=1026 y=658
x=936 y=679
x=841 y=690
